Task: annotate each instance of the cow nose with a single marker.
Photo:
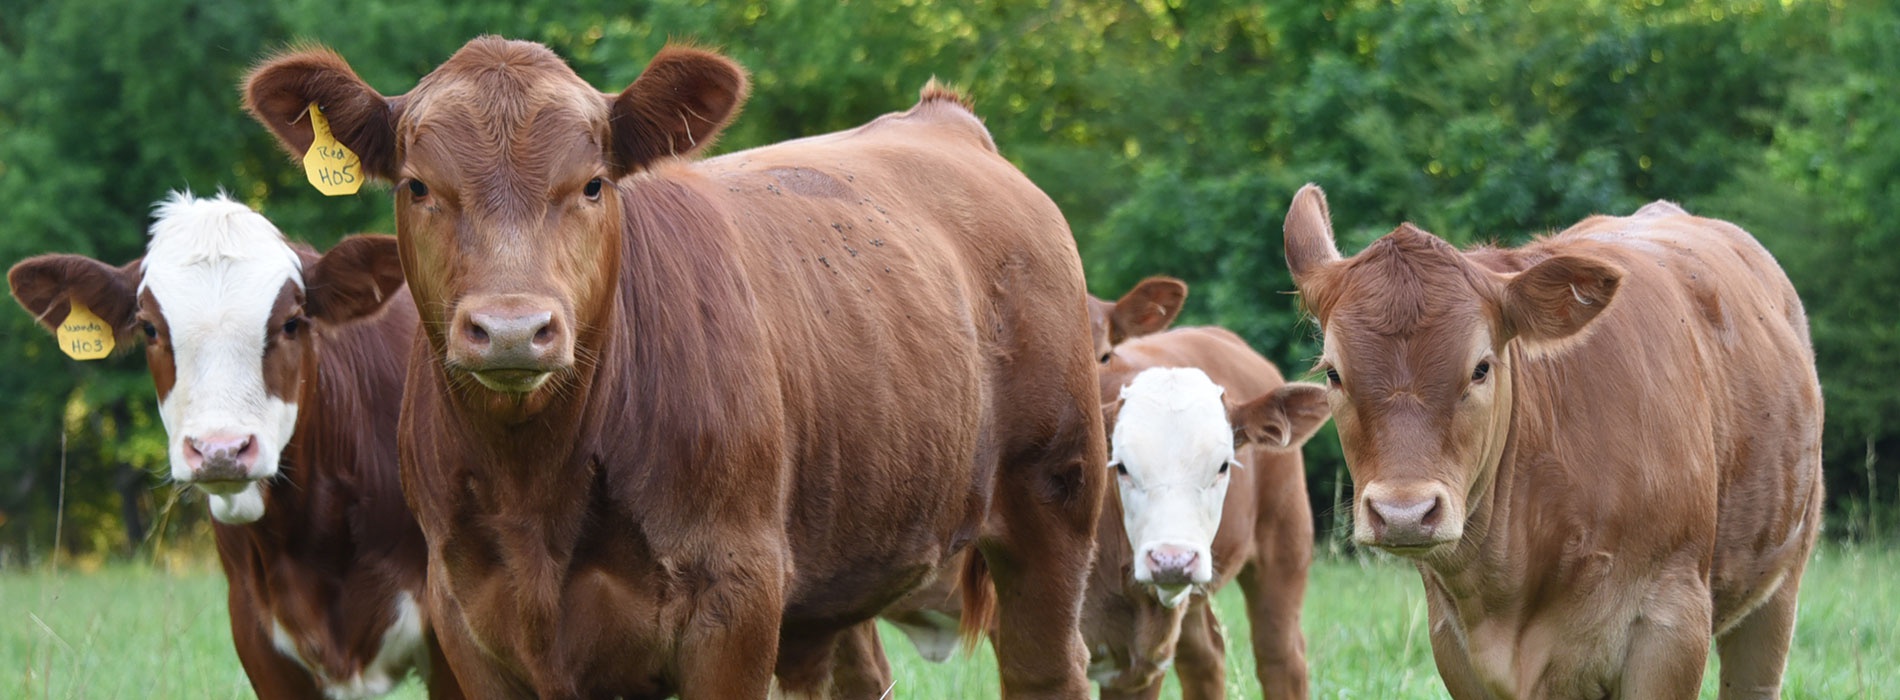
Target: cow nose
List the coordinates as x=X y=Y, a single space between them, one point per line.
x=221 y=456
x=1405 y=520
x=510 y=340
x=1172 y=564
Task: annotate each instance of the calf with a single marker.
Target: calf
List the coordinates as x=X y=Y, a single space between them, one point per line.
x=277 y=374
x=1180 y=519
x=1600 y=449
x=684 y=426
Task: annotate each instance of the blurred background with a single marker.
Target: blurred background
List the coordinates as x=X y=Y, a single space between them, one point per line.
x=1172 y=134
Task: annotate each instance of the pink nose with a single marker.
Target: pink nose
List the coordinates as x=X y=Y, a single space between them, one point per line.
x=510 y=333
x=221 y=457
x=1403 y=522
x=1172 y=564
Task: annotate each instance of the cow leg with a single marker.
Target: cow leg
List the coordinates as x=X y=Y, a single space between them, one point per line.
x=1040 y=537
x=1755 y=651
x=846 y=665
x=1040 y=563
x=440 y=680
x=1669 y=644
x=731 y=640
x=1200 y=658
x=272 y=674
x=1151 y=692
x=1449 y=653
x=456 y=654
x=859 y=669
x=1274 y=585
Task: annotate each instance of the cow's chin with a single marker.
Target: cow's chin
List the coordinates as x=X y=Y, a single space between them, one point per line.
x=518 y=382
x=241 y=507
x=1172 y=595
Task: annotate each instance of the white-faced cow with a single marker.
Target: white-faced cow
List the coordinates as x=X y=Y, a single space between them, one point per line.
x=278 y=374
x=679 y=425
x=1601 y=449
x=1209 y=487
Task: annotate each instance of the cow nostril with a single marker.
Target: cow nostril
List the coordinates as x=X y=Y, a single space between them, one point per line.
x=544 y=335
x=1430 y=521
x=477 y=333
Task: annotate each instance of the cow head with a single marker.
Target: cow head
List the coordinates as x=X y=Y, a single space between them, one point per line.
x=1173 y=444
x=509 y=175
x=229 y=314
x=1148 y=308
x=1415 y=353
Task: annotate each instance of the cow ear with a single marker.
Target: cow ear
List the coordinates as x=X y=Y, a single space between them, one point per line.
x=353 y=280
x=1310 y=248
x=45 y=285
x=1148 y=308
x=279 y=92
x=676 y=107
x=1283 y=419
x=1556 y=298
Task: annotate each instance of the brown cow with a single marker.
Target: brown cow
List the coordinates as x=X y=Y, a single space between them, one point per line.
x=675 y=420
x=1162 y=534
x=277 y=375
x=1600 y=449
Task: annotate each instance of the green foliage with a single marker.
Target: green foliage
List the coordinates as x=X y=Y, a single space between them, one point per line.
x=1171 y=133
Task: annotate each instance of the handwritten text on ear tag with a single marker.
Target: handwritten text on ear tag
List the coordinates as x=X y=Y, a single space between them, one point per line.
x=332 y=167
x=83 y=335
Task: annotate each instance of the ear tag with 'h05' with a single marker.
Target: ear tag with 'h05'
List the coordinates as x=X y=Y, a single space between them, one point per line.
x=332 y=167
x=83 y=335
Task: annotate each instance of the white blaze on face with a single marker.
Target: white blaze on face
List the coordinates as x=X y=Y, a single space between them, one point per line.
x=1172 y=449
x=216 y=268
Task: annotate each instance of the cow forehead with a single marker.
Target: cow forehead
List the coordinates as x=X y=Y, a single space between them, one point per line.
x=214 y=263
x=1172 y=416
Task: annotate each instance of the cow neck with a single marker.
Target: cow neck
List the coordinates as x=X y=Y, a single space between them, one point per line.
x=1480 y=561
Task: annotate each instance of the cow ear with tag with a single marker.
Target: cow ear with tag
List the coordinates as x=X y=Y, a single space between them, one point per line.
x=1283 y=419
x=48 y=286
x=355 y=279
x=677 y=107
x=280 y=93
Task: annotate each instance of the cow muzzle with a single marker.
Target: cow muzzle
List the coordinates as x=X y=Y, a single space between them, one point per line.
x=1172 y=569
x=1408 y=519
x=221 y=463
x=511 y=343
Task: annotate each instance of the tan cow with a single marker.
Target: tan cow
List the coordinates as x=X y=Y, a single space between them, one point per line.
x=1179 y=524
x=684 y=426
x=1600 y=449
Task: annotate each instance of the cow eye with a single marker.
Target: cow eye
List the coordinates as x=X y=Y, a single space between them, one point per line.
x=593 y=189
x=151 y=331
x=1332 y=377
x=1225 y=465
x=292 y=325
x=1106 y=356
x=417 y=189
x=1120 y=468
x=1483 y=370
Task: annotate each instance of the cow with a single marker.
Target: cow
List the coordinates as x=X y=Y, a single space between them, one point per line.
x=1209 y=487
x=686 y=425
x=277 y=373
x=1600 y=449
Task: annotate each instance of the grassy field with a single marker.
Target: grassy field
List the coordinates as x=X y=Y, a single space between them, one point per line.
x=138 y=633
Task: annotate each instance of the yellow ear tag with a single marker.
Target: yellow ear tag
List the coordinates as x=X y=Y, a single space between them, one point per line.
x=332 y=167
x=83 y=335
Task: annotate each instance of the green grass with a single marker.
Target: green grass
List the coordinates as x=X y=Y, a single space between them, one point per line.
x=133 y=632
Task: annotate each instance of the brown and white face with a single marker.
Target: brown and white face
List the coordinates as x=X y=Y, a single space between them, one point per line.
x=1415 y=354
x=508 y=176
x=220 y=302
x=1172 y=448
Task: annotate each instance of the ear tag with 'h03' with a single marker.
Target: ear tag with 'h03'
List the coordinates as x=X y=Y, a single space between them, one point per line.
x=83 y=335
x=332 y=167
